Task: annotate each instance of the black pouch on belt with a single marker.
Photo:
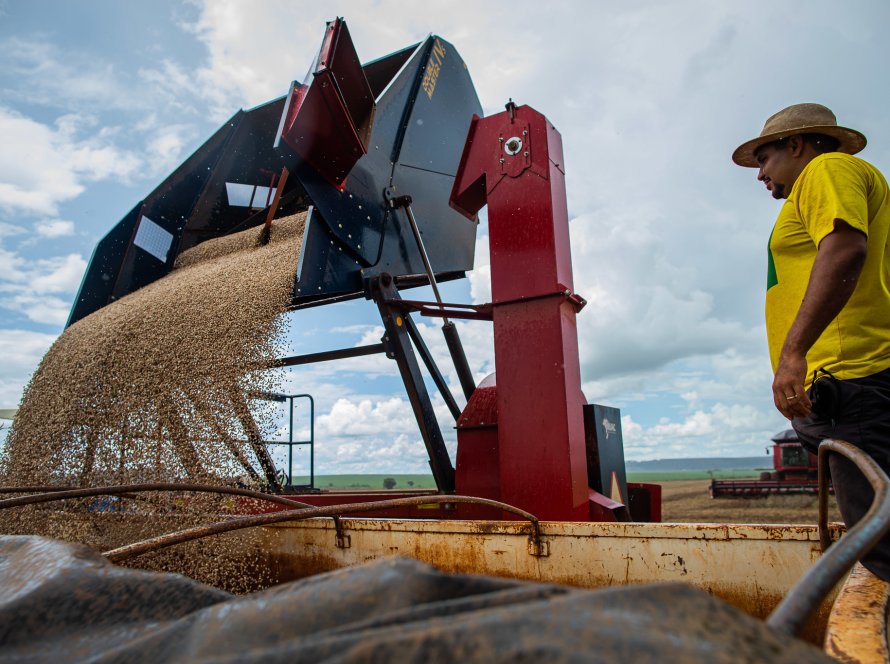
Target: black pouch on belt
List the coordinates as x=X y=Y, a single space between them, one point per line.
x=825 y=395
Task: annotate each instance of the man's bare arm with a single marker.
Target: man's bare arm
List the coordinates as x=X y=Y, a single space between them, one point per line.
x=833 y=279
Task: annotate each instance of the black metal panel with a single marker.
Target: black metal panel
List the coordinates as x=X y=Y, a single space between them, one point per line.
x=605 y=452
x=117 y=266
x=381 y=71
x=191 y=204
x=173 y=202
x=105 y=264
x=325 y=267
x=440 y=118
x=430 y=154
x=248 y=158
x=139 y=267
x=406 y=120
x=356 y=214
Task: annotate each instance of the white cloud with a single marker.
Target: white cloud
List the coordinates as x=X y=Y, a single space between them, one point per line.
x=57 y=275
x=359 y=328
x=165 y=147
x=103 y=110
x=61 y=274
x=234 y=75
x=365 y=417
x=54 y=227
x=43 y=166
x=12 y=266
x=375 y=454
x=362 y=432
x=719 y=405
x=11 y=230
x=33 y=287
x=61 y=78
x=20 y=352
x=722 y=430
x=171 y=80
x=46 y=310
x=480 y=276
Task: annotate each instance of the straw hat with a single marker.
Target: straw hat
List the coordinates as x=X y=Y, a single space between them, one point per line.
x=800 y=119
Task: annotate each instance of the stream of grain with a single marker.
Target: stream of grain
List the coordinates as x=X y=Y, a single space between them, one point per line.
x=156 y=387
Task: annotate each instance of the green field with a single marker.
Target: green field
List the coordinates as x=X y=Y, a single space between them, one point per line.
x=669 y=475
x=404 y=482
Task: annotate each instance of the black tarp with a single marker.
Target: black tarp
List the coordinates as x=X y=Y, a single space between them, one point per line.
x=65 y=603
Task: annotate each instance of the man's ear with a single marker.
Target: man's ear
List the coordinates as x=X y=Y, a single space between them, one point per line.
x=796 y=144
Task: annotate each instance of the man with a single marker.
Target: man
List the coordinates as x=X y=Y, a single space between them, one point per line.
x=827 y=300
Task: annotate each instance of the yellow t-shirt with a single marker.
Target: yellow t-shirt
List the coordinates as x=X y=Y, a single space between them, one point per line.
x=833 y=186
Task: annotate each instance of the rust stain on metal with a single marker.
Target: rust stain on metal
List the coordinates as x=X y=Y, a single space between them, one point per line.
x=484 y=527
x=538 y=547
x=749 y=567
x=857 y=626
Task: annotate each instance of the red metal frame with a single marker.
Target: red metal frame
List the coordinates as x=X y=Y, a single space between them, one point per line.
x=519 y=445
x=521 y=437
x=328 y=117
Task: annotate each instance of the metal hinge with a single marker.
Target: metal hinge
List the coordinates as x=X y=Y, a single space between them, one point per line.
x=538 y=547
x=344 y=541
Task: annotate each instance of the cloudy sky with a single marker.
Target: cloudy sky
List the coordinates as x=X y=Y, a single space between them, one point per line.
x=99 y=100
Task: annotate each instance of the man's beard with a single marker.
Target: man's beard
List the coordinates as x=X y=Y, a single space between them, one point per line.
x=778 y=190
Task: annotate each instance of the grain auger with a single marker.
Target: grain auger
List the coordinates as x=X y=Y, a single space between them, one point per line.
x=392 y=161
x=350 y=145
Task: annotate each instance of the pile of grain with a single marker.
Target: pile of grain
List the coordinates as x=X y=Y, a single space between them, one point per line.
x=156 y=386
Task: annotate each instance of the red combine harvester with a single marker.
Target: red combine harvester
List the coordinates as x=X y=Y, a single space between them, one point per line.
x=795 y=470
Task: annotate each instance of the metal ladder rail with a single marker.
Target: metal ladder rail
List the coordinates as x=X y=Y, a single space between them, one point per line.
x=290 y=442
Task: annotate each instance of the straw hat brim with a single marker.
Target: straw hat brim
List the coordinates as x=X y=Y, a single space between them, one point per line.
x=851 y=141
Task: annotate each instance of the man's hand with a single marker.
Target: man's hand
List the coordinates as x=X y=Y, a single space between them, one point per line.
x=788 y=391
x=836 y=269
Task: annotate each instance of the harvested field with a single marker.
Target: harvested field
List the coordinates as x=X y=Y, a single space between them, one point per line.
x=687 y=501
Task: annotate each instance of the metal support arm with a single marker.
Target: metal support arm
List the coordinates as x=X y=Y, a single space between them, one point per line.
x=452 y=339
x=398 y=340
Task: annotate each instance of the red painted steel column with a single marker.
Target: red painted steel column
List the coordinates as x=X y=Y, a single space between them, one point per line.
x=514 y=162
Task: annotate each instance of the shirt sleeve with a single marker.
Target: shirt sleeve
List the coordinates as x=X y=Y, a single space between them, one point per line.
x=833 y=189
